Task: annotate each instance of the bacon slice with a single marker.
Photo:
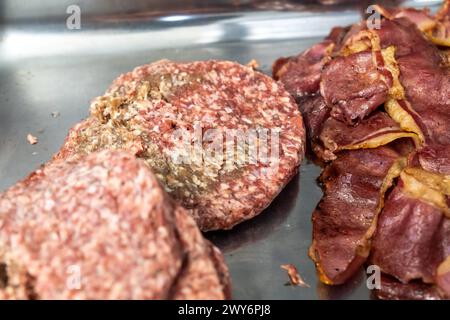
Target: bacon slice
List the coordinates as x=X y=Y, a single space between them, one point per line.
x=426 y=81
x=400 y=67
x=440 y=34
x=413 y=235
x=376 y=130
x=436 y=28
x=353 y=87
x=315 y=112
x=346 y=218
x=301 y=74
x=420 y=17
x=391 y=289
x=328 y=136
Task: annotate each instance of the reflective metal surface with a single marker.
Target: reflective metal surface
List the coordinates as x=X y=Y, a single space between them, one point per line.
x=47 y=68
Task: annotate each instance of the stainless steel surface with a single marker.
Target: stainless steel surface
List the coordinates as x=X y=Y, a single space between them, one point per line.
x=46 y=68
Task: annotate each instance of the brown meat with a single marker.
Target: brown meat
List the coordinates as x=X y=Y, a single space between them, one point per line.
x=218 y=178
x=353 y=87
x=376 y=130
x=301 y=74
x=391 y=289
x=403 y=67
x=315 y=112
x=413 y=235
x=105 y=220
x=346 y=217
x=426 y=81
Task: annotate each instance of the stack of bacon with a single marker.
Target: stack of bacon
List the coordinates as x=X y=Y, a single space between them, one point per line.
x=376 y=104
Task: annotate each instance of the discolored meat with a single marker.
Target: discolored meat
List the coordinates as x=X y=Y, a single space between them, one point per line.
x=222 y=138
x=413 y=235
x=315 y=111
x=436 y=158
x=301 y=74
x=440 y=33
x=426 y=81
x=346 y=217
x=420 y=17
x=101 y=227
x=376 y=130
x=401 y=67
x=353 y=87
x=436 y=28
x=392 y=289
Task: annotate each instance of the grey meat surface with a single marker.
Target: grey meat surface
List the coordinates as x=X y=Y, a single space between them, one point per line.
x=222 y=138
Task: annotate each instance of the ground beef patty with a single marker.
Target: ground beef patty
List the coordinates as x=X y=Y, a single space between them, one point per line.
x=101 y=227
x=222 y=138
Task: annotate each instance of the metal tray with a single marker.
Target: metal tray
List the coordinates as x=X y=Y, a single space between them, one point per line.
x=47 y=68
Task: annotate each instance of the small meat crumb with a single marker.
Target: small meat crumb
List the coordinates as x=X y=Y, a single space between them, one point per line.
x=253 y=64
x=294 y=276
x=55 y=114
x=32 y=139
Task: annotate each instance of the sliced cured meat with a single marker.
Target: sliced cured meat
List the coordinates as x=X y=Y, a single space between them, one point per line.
x=413 y=234
x=426 y=81
x=401 y=67
x=436 y=28
x=346 y=217
x=422 y=18
x=101 y=227
x=443 y=277
x=391 y=289
x=222 y=138
x=328 y=136
x=436 y=158
x=315 y=111
x=353 y=87
x=376 y=130
x=301 y=74
x=440 y=33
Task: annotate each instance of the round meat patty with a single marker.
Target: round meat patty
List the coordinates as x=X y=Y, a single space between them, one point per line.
x=222 y=138
x=101 y=227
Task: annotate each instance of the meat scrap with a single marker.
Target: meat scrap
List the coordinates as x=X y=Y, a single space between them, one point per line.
x=32 y=139
x=253 y=64
x=294 y=277
x=101 y=227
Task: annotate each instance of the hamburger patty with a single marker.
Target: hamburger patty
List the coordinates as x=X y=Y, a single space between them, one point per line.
x=222 y=138
x=102 y=227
